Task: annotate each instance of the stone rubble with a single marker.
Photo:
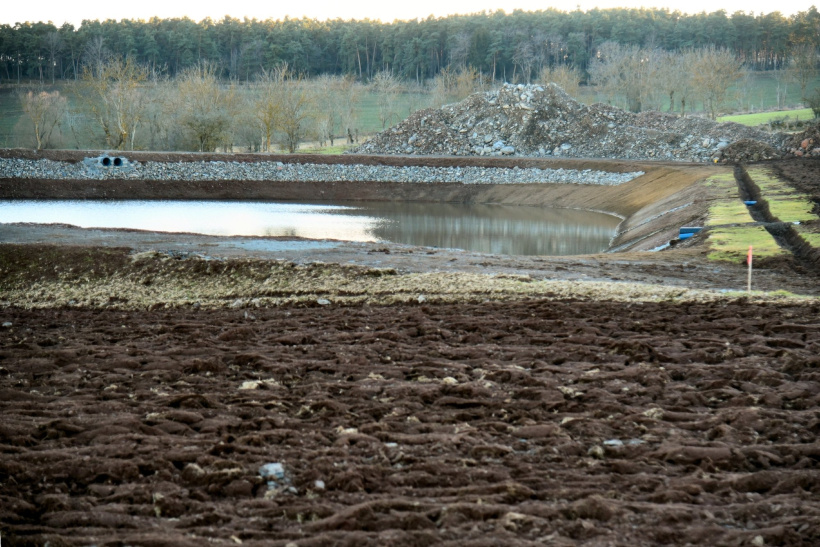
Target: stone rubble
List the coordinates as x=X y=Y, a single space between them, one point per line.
x=543 y=121
x=300 y=172
x=806 y=143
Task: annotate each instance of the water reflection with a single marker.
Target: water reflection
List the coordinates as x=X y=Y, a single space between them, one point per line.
x=493 y=229
x=496 y=229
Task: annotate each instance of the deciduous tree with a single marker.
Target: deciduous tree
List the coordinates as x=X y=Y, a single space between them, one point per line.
x=297 y=104
x=205 y=108
x=566 y=77
x=267 y=102
x=386 y=87
x=713 y=71
x=804 y=66
x=45 y=110
x=112 y=92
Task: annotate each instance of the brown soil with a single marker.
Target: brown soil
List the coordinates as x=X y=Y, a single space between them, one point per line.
x=578 y=423
x=141 y=394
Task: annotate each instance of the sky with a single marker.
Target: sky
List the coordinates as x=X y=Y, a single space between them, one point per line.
x=62 y=11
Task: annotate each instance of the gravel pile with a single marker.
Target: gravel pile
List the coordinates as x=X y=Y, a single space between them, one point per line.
x=541 y=121
x=92 y=169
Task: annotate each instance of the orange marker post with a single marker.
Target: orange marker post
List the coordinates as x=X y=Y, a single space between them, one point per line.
x=749 y=278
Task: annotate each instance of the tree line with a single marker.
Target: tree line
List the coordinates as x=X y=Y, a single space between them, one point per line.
x=121 y=104
x=512 y=47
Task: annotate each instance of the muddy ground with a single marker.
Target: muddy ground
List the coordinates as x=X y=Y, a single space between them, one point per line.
x=527 y=422
x=409 y=396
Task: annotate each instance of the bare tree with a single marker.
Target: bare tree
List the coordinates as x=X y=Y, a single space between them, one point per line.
x=460 y=49
x=95 y=54
x=449 y=86
x=349 y=97
x=113 y=95
x=332 y=95
x=53 y=44
x=204 y=108
x=296 y=112
x=267 y=103
x=713 y=71
x=624 y=71
x=524 y=57
x=441 y=88
x=782 y=77
x=566 y=77
x=386 y=88
x=160 y=113
x=45 y=111
x=467 y=82
x=814 y=103
x=803 y=67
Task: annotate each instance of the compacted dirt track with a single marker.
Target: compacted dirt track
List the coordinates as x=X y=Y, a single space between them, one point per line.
x=517 y=423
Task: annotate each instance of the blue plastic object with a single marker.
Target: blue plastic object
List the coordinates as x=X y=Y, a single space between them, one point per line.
x=691 y=230
x=750 y=202
x=685 y=236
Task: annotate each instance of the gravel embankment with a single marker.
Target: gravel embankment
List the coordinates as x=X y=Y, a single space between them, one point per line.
x=92 y=169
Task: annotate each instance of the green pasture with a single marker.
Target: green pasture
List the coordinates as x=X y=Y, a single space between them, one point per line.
x=758 y=92
x=10 y=113
x=762 y=118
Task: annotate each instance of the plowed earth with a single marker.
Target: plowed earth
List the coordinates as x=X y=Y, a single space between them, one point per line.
x=533 y=421
x=530 y=422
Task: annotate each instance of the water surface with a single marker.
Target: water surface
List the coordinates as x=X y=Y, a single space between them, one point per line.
x=498 y=229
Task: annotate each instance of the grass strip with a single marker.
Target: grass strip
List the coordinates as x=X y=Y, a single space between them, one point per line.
x=731 y=232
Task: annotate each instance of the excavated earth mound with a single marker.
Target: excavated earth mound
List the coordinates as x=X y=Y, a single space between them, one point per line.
x=806 y=143
x=541 y=121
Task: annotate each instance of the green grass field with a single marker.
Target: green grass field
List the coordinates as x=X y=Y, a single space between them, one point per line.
x=10 y=113
x=761 y=118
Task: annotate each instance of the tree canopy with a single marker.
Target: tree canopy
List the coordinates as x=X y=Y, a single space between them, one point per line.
x=518 y=45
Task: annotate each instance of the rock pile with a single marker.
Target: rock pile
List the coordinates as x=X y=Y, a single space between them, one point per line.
x=541 y=121
x=302 y=172
x=806 y=143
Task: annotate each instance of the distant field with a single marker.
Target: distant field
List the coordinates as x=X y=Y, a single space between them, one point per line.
x=760 y=118
x=9 y=115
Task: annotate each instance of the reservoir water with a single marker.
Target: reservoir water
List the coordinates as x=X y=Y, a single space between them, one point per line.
x=497 y=229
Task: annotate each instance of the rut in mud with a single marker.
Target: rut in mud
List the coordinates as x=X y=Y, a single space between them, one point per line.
x=578 y=423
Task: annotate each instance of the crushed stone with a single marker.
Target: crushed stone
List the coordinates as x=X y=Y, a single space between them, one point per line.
x=302 y=172
x=543 y=121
